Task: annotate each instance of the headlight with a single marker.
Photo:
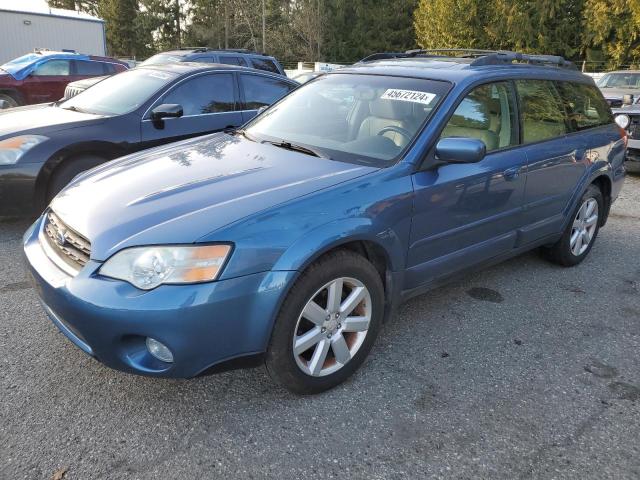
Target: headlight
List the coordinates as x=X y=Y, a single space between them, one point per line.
x=13 y=148
x=148 y=267
x=623 y=121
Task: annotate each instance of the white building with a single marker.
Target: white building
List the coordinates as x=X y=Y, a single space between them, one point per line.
x=29 y=24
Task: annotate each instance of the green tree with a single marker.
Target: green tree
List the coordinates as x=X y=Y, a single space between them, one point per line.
x=452 y=23
x=612 y=31
x=354 y=29
x=121 y=22
x=537 y=26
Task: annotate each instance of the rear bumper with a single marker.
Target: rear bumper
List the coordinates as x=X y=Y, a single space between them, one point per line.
x=203 y=325
x=17 y=188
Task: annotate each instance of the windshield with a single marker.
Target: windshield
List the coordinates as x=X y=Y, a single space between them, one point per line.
x=161 y=59
x=620 y=80
x=346 y=117
x=120 y=94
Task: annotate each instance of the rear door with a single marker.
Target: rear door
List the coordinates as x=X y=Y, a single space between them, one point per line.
x=48 y=81
x=556 y=159
x=209 y=102
x=257 y=91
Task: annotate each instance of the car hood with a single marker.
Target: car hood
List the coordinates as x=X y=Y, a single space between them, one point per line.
x=181 y=192
x=618 y=93
x=41 y=118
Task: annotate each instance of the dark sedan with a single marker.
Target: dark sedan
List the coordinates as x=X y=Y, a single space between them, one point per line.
x=42 y=147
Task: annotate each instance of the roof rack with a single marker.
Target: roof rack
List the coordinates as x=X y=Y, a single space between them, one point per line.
x=209 y=49
x=479 y=57
x=508 y=58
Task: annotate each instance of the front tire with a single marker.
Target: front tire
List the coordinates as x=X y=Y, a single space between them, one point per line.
x=327 y=324
x=12 y=100
x=580 y=235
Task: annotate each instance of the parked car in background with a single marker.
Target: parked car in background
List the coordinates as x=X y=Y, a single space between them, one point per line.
x=628 y=117
x=306 y=76
x=42 y=76
x=616 y=85
x=74 y=88
x=239 y=57
x=290 y=240
x=42 y=147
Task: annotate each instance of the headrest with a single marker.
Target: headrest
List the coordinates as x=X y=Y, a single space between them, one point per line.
x=391 y=109
x=471 y=114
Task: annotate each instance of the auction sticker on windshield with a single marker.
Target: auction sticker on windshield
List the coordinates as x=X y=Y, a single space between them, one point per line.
x=408 y=96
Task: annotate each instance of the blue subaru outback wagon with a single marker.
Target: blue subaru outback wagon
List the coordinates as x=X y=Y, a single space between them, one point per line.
x=291 y=240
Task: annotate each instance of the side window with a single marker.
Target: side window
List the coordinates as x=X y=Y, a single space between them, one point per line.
x=89 y=69
x=201 y=59
x=488 y=114
x=53 y=68
x=262 y=91
x=109 y=68
x=229 y=60
x=543 y=115
x=264 y=64
x=204 y=94
x=585 y=106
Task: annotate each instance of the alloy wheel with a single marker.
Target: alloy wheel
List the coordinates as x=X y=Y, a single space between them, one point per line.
x=584 y=227
x=332 y=327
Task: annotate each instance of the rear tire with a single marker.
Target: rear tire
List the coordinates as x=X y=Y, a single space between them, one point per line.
x=66 y=172
x=581 y=232
x=317 y=342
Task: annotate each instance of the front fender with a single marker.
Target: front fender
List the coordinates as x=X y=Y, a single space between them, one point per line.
x=331 y=235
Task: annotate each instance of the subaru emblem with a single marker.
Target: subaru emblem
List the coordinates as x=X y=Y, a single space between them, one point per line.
x=61 y=237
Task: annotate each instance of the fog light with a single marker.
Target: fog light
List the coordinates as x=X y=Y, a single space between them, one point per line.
x=159 y=350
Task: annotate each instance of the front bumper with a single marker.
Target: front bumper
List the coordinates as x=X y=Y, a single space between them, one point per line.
x=17 y=188
x=203 y=324
x=632 y=163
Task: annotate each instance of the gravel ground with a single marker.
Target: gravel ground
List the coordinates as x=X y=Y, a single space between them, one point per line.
x=525 y=370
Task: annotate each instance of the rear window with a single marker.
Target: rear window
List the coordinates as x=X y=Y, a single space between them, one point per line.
x=585 y=106
x=89 y=68
x=265 y=64
x=230 y=60
x=541 y=109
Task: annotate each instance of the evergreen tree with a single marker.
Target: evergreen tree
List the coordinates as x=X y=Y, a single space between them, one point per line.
x=612 y=31
x=452 y=23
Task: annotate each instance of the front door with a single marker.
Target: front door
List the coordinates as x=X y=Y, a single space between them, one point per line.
x=48 y=81
x=209 y=103
x=467 y=213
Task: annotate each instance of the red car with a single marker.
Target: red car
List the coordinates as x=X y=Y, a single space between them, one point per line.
x=42 y=76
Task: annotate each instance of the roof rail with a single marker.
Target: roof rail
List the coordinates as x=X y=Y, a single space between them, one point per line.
x=508 y=58
x=470 y=52
x=235 y=50
x=479 y=57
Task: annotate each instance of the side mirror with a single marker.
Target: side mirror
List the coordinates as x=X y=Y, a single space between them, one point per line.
x=627 y=99
x=261 y=109
x=166 y=110
x=460 y=150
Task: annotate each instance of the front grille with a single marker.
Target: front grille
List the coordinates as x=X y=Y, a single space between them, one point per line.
x=72 y=92
x=614 y=103
x=67 y=244
x=634 y=127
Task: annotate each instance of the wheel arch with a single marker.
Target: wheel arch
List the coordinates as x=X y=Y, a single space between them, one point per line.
x=383 y=249
x=106 y=150
x=604 y=183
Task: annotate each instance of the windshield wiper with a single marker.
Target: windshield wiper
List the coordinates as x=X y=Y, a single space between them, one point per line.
x=296 y=148
x=74 y=109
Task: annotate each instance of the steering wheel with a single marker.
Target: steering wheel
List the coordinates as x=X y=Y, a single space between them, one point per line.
x=399 y=130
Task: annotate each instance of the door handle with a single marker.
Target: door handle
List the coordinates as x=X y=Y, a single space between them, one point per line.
x=511 y=173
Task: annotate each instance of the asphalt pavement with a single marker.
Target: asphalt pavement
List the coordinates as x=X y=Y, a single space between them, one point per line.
x=525 y=370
